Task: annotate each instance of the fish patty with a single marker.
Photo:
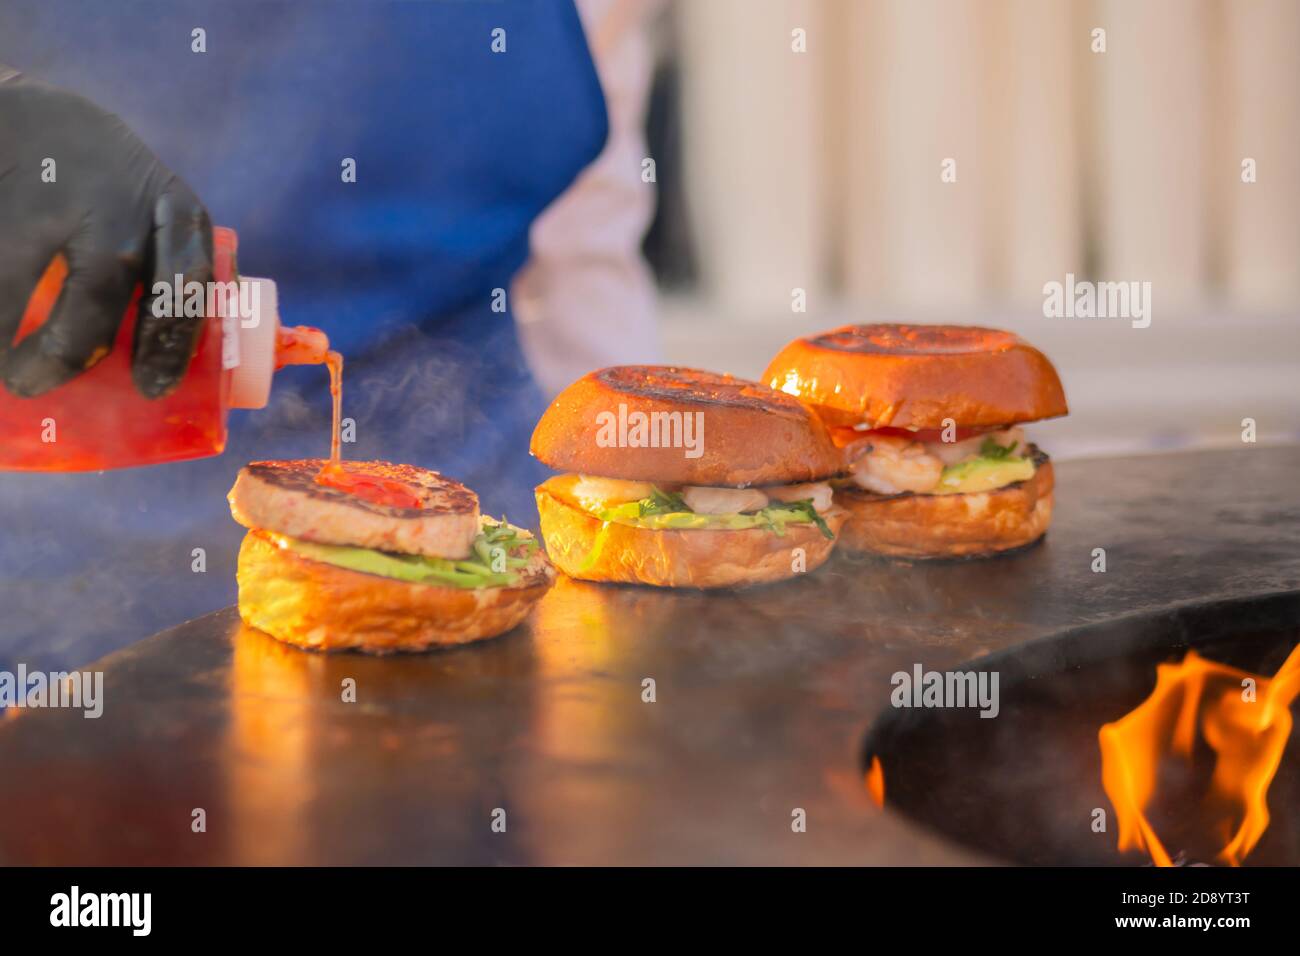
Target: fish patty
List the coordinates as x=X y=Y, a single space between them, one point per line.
x=284 y=497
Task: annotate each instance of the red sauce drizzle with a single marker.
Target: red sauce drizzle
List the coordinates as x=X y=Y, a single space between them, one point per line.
x=372 y=488
x=304 y=345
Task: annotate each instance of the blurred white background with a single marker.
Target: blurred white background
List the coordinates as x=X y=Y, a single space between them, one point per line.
x=788 y=160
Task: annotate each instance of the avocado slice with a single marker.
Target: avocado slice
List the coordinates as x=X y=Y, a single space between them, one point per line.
x=476 y=572
x=983 y=474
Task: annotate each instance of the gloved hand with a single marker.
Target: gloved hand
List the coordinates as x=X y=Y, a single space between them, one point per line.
x=118 y=216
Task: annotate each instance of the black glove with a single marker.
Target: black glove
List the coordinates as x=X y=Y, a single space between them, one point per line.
x=119 y=217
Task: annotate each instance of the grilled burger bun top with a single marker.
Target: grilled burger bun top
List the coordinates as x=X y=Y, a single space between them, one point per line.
x=609 y=422
x=915 y=376
x=284 y=497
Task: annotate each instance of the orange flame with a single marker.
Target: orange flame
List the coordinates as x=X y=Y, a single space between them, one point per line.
x=1243 y=718
x=875 y=782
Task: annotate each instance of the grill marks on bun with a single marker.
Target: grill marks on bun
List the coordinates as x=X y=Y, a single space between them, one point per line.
x=918 y=376
x=915 y=339
x=696 y=388
x=748 y=433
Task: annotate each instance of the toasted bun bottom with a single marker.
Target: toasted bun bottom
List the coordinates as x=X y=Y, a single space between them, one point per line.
x=323 y=607
x=949 y=526
x=678 y=558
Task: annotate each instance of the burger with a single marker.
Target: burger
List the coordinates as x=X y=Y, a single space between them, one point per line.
x=377 y=557
x=928 y=420
x=681 y=478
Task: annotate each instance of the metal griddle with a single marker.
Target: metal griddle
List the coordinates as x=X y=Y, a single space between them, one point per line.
x=763 y=701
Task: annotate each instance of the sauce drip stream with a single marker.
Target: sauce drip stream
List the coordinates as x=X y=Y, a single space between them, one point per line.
x=334 y=361
x=304 y=345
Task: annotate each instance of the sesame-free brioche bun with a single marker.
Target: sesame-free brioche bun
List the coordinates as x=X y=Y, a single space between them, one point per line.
x=915 y=376
x=687 y=558
x=949 y=526
x=751 y=434
x=324 y=607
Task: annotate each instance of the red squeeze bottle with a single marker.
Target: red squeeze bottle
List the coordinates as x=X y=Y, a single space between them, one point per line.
x=99 y=420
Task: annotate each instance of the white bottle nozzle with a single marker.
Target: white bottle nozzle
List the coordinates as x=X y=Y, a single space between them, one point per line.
x=254 y=341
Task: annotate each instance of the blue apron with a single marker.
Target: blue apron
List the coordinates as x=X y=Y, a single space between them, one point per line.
x=457 y=149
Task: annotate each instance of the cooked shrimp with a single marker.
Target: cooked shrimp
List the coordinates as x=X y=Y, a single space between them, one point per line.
x=603 y=492
x=818 y=491
x=723 y=501
x=952 y=452
x=894 y=465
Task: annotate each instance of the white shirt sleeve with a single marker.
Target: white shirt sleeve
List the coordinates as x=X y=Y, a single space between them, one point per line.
x=585 y=298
